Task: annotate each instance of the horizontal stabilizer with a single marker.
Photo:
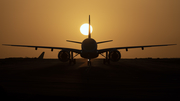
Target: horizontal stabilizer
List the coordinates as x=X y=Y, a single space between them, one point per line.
x=104 y=41
x=74 y=41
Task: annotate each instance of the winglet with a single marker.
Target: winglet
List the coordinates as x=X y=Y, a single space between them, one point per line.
x=89 y=35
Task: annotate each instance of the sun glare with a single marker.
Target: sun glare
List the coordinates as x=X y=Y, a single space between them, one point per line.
x=85 y=29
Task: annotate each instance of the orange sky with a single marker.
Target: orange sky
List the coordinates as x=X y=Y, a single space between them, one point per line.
x=127 y=22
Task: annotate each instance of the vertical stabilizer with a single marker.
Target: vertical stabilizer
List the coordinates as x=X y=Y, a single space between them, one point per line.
x=41 y=56
x=89 y=35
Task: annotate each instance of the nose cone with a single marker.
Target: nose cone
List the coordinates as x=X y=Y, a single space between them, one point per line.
x=89 y=44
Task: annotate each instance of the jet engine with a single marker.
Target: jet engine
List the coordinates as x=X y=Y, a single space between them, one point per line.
x=114 y=55
x=64 y=55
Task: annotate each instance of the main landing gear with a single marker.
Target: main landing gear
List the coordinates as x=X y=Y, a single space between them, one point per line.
x=107 y=58
x=71 y=60
x=106 y=61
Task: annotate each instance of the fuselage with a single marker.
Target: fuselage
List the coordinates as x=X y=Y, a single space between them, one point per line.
x=89 y=48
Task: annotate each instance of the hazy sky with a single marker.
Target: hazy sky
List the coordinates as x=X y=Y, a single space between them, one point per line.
x=127 y=22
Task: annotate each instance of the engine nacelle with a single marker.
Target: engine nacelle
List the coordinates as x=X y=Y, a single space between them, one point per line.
x=114 y=55
x=64 y=55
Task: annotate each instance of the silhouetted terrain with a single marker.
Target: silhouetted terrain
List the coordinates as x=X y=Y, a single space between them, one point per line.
x=128 y=79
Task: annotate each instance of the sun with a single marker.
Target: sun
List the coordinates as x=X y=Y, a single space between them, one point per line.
x=85 y=29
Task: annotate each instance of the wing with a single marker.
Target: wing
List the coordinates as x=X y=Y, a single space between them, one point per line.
x=36 y=47
x=115 y=48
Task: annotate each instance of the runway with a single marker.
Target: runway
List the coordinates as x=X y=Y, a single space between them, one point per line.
x=128 y=79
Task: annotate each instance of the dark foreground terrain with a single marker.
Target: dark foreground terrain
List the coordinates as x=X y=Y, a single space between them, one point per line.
x=128 y=79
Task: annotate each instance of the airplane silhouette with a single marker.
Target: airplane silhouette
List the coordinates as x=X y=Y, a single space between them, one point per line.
x=89 y=50
x=41 y=56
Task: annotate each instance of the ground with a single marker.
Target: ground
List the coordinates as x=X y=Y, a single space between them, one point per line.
x=127 y=79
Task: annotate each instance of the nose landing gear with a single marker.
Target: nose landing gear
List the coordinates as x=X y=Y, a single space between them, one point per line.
x=89 y=62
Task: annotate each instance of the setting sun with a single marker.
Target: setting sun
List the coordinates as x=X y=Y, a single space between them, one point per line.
x=85 y=29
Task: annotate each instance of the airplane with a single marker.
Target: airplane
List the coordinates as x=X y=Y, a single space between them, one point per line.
x=89 y=50
x=41 y=56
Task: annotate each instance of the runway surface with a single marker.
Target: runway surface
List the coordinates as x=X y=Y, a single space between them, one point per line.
x=128 y=79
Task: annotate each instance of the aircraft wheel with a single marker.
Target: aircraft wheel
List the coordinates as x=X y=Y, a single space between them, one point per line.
x=89 y=63
x=74 y=61
x=108 y=61
x=104 y=61
x=70 y=61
